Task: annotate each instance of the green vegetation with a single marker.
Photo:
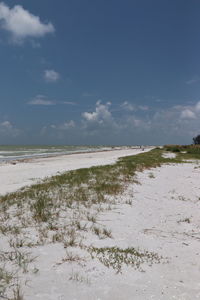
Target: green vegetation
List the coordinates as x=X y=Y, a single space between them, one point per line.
x=114 y=257
x=65 y=208
x=192 y=151
x=186 y=220
x=196 y=140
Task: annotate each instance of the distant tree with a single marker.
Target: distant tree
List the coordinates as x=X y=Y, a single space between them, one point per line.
x=196 y=140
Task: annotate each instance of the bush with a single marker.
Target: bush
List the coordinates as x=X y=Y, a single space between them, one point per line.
x=196 y=140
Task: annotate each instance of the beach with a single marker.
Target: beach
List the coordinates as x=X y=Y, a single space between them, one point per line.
x=19 y=173
x=139 y=243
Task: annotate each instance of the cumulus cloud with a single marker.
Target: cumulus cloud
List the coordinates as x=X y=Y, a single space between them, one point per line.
x=65 y=131
x=128 y=106
x=187 y=114
x=197 y=107
x=41 y=100
x=100 y=119
x=143 y=107
x=51 y=76
x=21 y=24
x=100 y=114
x=8 y=129
x=133 y=107
x=175 y=124
x=66 y=125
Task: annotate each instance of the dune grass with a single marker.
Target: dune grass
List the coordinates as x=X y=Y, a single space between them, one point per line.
x=116 y=258
x=65 y=207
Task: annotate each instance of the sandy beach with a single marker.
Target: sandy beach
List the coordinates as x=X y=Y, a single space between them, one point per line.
x=19 y=174
x=156 y=217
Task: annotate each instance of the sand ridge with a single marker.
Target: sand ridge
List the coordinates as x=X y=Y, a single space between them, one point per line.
x=20 y=174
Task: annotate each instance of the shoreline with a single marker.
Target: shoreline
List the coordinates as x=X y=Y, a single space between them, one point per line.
x=30 y=158
x=88 y=239
x=20 y=173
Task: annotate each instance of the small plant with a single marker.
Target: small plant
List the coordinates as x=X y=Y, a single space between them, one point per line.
x=107 y=233
x=75 y=276
x=182 y=198
x=80 y=226
x=97 y=231
x=17 y=294
x=71 y=257
x=5 y=281
x=41 y=208
x=91 y=218
x=186 y=220
x=116 y=257
x=129 y=202
x=151 y=175
x=71 y=239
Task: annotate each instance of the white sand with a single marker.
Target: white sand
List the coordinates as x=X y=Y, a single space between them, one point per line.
x=13 y=177
x=157 y=221
x=169 y=155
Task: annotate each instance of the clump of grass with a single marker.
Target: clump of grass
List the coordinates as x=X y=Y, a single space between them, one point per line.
x=76 y=276
x=91 y=218
x=71 y=257
x=186 y=220
x=97 y=230
x=151 y=175
x=102 y=233
x=21 y=259
x=5 y=281
x=107 y=233
x=71 y=239
x=41 y=208
x=129 y=202
x=114 y=257
x=17 y=293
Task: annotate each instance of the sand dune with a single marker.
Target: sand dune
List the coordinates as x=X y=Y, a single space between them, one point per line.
x=15 y=176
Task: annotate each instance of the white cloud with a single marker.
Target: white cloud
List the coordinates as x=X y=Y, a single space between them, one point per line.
x=132 y=107
x=197 y=107
x=100 y=115
x=69 y=103
x=193 y=80
x=187 y=114
x=7 y=129
x=175 y=124
x=22 y=24
x=67 y=125
x=51 y=75
x=128 y=106
x=143 y=107
x=64 y=126
x=41 y=100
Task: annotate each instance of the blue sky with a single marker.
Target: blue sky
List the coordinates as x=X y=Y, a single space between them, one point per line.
x=99 y=72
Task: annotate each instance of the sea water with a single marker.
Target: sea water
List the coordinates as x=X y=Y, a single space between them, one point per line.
x=22 y=152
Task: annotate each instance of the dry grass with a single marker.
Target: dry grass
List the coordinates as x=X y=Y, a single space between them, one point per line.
x=66 y=207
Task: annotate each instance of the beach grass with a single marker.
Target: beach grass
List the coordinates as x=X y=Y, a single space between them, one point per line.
x=65 y=207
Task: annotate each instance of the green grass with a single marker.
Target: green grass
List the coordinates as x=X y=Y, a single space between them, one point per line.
x=59 y=208
x=83 y=187
x=116 y=258
x=192 y=151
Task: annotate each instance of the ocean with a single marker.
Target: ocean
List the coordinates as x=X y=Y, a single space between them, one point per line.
x=22 y=152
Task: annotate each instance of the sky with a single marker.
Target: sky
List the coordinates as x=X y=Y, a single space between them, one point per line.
x=111 y=72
